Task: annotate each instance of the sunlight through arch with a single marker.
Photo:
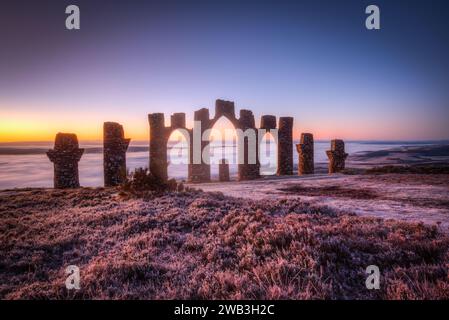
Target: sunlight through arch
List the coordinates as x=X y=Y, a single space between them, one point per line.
x=178 y=155
x=223 y=145
x=268 y=154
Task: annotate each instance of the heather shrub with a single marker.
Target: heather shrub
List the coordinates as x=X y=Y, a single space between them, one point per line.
x=142 y=183
x=196 y=245
x=142 y=180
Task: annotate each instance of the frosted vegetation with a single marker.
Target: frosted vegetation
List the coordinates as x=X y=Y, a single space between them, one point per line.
x=198 y=245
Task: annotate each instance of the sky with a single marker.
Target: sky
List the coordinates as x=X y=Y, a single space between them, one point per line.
x=313 y=60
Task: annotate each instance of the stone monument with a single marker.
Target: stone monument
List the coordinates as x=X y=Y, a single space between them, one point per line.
x=65 y=156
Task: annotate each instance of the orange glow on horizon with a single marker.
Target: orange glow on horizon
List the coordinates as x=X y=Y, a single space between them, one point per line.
x=28 y=130
x=24 y=127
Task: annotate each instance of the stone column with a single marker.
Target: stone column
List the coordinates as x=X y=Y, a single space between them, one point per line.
x=199 y=172
x=268 y=122
x=65 y=156
x=267 y=126
x=337 y=156
x=248 y=170
x=224 y=108
x=158 y=146
x=178 y=120
x=285 y=146
x=114 y=154
x=223 y=170
x=305 y=152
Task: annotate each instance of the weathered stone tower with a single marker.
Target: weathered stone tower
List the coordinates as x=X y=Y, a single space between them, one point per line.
x=249 y=168
x=158 y=146
x=159 y=135
x=268 y=125
x=268 y=122
x=199 y=167
x=65 y=156
x=337 y=156
x=114 y=154
x=285 y=146
x=305 y=152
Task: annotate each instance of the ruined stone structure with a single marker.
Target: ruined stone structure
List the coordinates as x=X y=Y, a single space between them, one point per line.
x=114 y=154
x=268 y=126
x=337 y=156
x=65 y=155
x=249 y=168
x=223 y=170
x=285 y=146
x=268 y=122
x=199 y=167
x=305 y=152
x=159 y=135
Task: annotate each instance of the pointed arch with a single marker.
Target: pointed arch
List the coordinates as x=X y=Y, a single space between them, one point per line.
x=178 y=153
x=268 y=148
x=223 y=145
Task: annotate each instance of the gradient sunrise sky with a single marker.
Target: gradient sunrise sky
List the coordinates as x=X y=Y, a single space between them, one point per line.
x=313 y=60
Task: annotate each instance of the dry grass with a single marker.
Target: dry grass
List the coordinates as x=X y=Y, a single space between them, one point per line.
x=194 y=245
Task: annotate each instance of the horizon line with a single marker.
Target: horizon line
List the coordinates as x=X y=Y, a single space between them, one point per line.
x=445 y=140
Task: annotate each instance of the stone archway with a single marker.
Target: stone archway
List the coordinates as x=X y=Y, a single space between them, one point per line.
x=178 y=148
x=245 y=123
x=159 y=135
x=199 y=169
x=223 y=148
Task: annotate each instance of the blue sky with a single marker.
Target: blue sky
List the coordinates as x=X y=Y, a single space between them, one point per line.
x=313 y=60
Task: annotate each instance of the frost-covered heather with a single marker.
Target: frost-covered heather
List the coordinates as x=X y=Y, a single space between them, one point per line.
x=406 y=197
x=207 y=246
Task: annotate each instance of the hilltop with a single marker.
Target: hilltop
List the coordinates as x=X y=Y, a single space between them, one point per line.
x=200 y=245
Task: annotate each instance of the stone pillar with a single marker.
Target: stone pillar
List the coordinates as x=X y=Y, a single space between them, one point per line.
x=200 y=172
x=224 y=108
x=65 y=156
x=337 y=156
x=285 y=146
x=305 y=152
x=247 y=170
x=158 y=146
x=268 y=122
x=267 y=126
x=114 y=154
x=223 y=170
x=178 y=120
